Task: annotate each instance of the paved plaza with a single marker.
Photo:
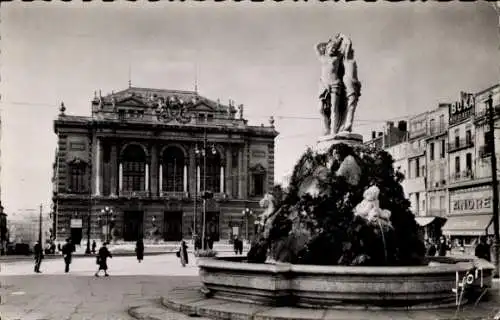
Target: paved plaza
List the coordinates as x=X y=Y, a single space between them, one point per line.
x=79 y=295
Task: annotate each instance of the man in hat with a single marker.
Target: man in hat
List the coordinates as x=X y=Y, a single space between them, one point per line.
x=67 y=251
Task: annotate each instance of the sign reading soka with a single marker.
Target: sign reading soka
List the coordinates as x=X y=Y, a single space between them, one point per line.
x=477 y=201
x=463 y=109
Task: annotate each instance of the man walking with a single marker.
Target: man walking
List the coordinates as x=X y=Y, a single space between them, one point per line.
x=67 y=251
x=38 y=256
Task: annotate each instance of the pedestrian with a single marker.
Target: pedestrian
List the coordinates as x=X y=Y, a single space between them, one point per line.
x=67 y=251
x=431 y=248
x=483 y=249
x=93 y=246
x=235 y=245
x=240 y=246
x=38 y=256
x=183 y=254
x=102 y=260
x=442 y=246
x=139 y=250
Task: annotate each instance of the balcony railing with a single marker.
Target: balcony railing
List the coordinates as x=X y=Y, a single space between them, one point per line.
x=174 y=194
x=135 y=194
x=415 y=151
x=437 y=129
x=460 y=144
x=481 y=114
x=462 y=176
x=437 y=184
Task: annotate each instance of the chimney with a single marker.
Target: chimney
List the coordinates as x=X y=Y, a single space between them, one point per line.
x=374 y=135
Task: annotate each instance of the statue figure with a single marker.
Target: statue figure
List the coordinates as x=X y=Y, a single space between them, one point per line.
x=339 y=85
x=369 y=208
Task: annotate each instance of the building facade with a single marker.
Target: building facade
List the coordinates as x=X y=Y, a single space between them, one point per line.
x=144 y=159
x=470 y=205
x=417 y=163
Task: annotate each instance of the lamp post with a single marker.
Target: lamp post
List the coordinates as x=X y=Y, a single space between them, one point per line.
x=107 y=212
x=87 y=250
x=205 y=194
x=246 y=213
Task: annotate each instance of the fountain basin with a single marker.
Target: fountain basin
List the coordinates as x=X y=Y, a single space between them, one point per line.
x=341 y=287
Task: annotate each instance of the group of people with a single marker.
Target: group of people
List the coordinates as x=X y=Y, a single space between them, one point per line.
x=67 y=251
x=482 y=249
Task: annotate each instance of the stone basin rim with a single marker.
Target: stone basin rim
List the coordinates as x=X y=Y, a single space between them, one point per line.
x=444 y=268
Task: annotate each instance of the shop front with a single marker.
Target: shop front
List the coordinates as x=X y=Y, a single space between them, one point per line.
x=471 y=216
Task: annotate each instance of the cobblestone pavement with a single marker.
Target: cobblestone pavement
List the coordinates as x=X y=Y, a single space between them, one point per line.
x=79 y=295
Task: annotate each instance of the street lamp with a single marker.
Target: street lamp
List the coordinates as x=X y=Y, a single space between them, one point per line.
x=206 y=194
x=107 y=212
x=87 y=250
x=246 y=213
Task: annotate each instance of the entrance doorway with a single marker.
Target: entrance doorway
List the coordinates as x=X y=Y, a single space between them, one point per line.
x=212 y=228
x=76 y=236
x=132 y=225
x=173 y=226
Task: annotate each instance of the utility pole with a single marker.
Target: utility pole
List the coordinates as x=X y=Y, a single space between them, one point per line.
x=491 y=147
x=40 y=226
x=204 y=187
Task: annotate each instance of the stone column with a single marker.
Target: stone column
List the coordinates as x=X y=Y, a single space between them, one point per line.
x=114 y=169
x=120 y=178
x=198 y=184
x=229 y=170
x=221 y=179
x=100 y=174
x=154 y=170
x=245 y=172
x=97 y=164
x=146 y=177
x=185 y=179
x=240 y=174
x=161 y=177
x=192 y=176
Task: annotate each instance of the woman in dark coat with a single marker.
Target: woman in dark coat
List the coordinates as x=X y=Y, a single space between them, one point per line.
x=139 y=250
x=183 y=254
x=102 y=258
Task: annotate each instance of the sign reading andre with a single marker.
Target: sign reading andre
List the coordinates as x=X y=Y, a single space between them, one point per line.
x=477 y=201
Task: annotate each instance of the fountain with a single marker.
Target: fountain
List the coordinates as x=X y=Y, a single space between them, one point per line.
x=343 y=235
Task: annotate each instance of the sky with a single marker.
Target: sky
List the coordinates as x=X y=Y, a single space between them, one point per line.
x=410 y=57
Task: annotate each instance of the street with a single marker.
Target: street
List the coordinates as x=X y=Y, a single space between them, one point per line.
x=80 y=295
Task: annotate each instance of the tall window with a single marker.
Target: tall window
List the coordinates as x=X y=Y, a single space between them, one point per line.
x=432 y=126
x=417 y=167
x=77 y=177
x=442 y=202
x=432 y=151
x=173 y=170
x=134 y=168
x=443 y=148
x=457 y=138
x=258 y=184
x=441 y=123
x=457 y=164
x=468 y=161
x=468 y=137
x=212 y=173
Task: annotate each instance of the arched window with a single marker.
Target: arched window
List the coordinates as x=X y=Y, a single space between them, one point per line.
x=77 y=177
x=134 y=167
x=213 y=171
x=173 y=170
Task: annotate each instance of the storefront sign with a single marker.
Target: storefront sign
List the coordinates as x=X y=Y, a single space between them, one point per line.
x=478 y=201
x=76 y=223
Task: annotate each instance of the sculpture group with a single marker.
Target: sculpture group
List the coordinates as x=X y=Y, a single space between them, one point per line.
x=340 y=88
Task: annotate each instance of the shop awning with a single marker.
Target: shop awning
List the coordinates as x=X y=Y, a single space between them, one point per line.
x=470 y=225
x=423 y=221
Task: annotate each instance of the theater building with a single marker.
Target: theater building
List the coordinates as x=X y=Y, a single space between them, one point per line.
x=140 y=163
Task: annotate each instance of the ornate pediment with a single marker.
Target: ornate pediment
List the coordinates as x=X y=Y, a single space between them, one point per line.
x=173 y=109
x=258 y=168
x=131 y=102
x=202 y=107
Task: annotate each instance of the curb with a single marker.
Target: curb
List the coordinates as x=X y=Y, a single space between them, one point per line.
x=154 y=312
